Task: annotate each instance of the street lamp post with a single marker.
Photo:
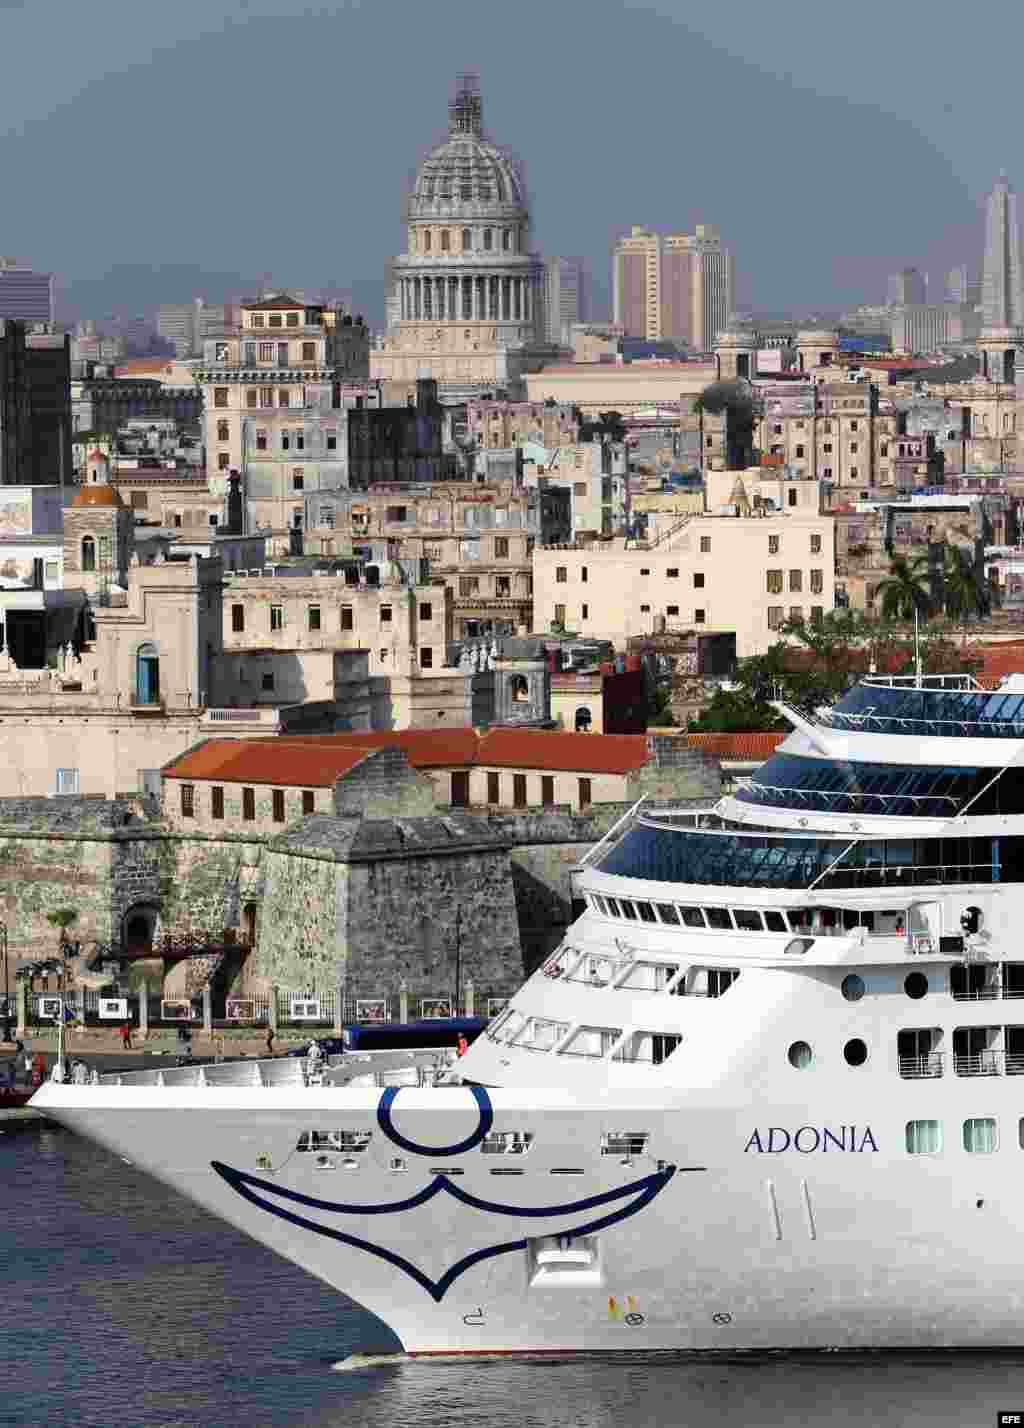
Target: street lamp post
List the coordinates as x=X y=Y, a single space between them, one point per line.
x=7 y=985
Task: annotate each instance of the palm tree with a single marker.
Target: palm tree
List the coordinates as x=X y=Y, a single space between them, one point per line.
x=905 y=589
x=964 y=594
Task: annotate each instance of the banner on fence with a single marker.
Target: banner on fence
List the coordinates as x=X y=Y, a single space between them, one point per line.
x=374 y=1010
x=240 y=1010
x=112 y=1008
x=435 y=1008
x=496 y=1005
x=49 y=1008
x=304 y=1009
x=176 y=1011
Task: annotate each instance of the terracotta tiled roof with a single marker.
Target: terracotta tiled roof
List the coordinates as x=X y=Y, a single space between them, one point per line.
x=289 y=762
x=424 y=748
x=317 y=761
x=136 y=365
x=552 y=749
x=737 y=746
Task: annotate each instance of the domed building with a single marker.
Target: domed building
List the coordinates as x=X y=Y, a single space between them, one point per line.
x=468 y=293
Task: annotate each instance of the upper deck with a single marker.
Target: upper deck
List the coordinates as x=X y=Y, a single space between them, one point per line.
x=933 y=706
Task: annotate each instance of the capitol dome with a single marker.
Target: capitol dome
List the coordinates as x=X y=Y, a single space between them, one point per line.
x=467 y=175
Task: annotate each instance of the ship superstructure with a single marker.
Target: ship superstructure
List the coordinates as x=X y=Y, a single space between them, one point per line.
x=761 y=1096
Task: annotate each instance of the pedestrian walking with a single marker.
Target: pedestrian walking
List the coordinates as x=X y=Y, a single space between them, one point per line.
x=126 y=1036
x=270 y=1041
x=462 y=1045
x=38 y=1068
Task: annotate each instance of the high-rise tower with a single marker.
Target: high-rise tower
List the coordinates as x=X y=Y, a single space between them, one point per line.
x=1002 y=288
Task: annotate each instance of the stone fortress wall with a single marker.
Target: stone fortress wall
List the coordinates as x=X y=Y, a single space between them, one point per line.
x=364 y=903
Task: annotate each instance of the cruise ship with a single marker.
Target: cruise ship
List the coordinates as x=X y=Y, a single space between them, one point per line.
x=762 y=1097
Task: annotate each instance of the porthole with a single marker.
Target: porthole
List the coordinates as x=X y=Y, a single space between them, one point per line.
x=916 y=985
x=800 y=1055
x=855 y=1051
x=852 y=987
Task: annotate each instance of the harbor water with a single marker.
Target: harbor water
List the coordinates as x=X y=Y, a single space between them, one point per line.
x=124 y=1306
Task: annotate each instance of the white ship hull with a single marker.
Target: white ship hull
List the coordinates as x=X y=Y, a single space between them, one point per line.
x=726 y=1247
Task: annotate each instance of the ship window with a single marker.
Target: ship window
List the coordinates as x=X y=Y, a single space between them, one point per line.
x=720 y=979
x=916 y=985
x=800 y=1055
x=344 y=1140
x=924 y=1137
x=918 y=1054
x=747 y=920
x=625 y=1142
x=650 y=1047
x=855 y=1052
x=613 y=907
x=540 y=1034
x=627 y=909
x=775 y=922
x=668 y=914
x=974 y=982
x=506 y=1025
x=980 y=1137
x=507 y=1143
x=648 y=977
x=592 y=1041
x=852 y=987
x=977 y=1050
x=718 y=917
x=692 y=917
x=596 y=971
x=599 y=904
x=646 y=912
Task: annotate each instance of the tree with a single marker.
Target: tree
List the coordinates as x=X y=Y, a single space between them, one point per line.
x=905 y=589
x=62 y=918
x=734 y=711
x=965 y=594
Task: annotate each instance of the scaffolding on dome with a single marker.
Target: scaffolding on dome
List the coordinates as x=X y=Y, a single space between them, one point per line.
x=465 y=108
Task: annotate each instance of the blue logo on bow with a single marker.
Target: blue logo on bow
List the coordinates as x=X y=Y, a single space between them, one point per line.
x=297 y=1208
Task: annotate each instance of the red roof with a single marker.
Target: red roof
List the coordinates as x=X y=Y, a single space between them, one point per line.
x=555 y=750
x=316 y=761
x=737 y=746
x=290 y=762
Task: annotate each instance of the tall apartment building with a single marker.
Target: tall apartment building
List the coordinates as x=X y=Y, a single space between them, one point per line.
x=35 y=407
x=678 y=286
x=25 y=296
x=565 y=297
x=188 y=324
x=906 y=286
x=1002 y=287
x=963 y=285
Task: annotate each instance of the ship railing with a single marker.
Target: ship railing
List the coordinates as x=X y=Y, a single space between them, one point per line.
x=923 y=681
x=920 y=1067
x=983 y=994
x=986 y=1063
x=406 y=1068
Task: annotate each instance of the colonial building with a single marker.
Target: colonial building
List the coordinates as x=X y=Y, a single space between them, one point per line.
x=271 y=408
x=741 y=573
x=468 y=290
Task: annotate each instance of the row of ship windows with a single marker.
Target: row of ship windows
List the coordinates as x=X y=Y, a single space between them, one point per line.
x=543 y=1034
x=979 y=1136
x=517 y=1142
x=625 y=972
x=921 y=1055
x=720 y=919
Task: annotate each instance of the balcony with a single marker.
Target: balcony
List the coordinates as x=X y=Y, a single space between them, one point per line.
x=990 y=1063
x=917 y=1068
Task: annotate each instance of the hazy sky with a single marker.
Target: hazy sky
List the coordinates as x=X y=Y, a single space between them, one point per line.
x=145 y=148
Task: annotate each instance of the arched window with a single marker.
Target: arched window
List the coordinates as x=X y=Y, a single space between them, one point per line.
x=506 y=239
x=584 y=719
x=426 y=241
x=488 y=239
x=147 y=675
x=446 y=240
x=467 y=239
x=520 y=689
x=222 y=431
x=88 y=553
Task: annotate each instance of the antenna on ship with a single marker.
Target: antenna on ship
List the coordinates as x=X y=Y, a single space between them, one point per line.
x=917 y=648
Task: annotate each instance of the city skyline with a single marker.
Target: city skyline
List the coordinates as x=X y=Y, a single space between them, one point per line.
x=903 y=159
